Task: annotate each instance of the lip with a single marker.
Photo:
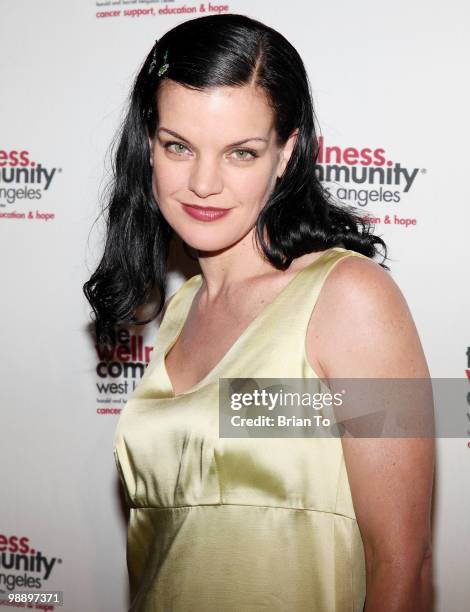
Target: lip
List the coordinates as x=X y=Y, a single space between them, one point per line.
x=204 y=213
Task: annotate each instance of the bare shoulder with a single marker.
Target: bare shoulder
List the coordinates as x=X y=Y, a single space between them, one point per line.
x=364 y=282
x=361 y=325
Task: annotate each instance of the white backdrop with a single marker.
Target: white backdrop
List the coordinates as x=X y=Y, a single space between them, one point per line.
x=392 y=77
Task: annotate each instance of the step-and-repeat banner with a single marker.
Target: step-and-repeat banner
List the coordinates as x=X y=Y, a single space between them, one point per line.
x=391 y=89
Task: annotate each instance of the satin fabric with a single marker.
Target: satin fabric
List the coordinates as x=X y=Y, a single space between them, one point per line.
x=236 y=524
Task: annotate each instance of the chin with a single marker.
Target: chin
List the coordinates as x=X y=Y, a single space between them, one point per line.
x=209 y=239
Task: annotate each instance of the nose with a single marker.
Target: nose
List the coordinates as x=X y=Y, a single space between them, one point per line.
x=205 y=178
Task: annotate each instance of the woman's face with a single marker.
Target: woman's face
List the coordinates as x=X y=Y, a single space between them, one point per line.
x=214 y=149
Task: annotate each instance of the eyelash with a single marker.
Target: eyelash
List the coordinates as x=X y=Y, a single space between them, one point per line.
x=254 y=154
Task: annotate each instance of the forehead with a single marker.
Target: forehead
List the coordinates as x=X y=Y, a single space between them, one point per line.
x=229 y=113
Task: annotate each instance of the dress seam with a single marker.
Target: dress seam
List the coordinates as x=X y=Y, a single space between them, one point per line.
x=163 y=508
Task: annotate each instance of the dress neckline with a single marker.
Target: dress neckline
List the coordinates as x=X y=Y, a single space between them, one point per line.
x=193 y=285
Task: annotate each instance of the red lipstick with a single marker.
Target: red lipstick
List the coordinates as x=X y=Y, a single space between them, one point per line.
x=204 y=213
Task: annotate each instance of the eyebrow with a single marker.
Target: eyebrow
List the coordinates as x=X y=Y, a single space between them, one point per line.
x=234 y=144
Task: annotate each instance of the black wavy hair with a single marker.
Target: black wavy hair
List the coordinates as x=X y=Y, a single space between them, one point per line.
x=299 y=217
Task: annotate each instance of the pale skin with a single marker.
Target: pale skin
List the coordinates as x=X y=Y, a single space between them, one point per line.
x=361 y=326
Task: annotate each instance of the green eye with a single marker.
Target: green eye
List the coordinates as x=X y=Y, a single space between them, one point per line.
x=244 y=154
x=175 y=147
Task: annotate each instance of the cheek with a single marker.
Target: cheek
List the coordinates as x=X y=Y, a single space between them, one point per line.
x=167 y=178
x=254 y=184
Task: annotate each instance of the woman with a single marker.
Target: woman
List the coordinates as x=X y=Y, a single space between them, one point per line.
x=218 y=148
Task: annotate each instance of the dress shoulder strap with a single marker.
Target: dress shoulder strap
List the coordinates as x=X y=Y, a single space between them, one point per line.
x=315 y=276
x=285 y=326
x=304 y=289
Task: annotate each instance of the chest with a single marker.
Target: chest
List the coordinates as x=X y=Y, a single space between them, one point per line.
x=206 y=340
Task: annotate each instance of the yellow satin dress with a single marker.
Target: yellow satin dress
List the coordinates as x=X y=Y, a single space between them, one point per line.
x=236 y=524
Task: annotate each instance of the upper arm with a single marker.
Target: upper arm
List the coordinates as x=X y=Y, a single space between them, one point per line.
x=364 y=329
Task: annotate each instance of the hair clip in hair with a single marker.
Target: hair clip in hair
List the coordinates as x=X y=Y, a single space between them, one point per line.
x=153 y=61
x=165 y=65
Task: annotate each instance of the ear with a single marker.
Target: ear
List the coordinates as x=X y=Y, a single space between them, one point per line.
x=286 y=152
